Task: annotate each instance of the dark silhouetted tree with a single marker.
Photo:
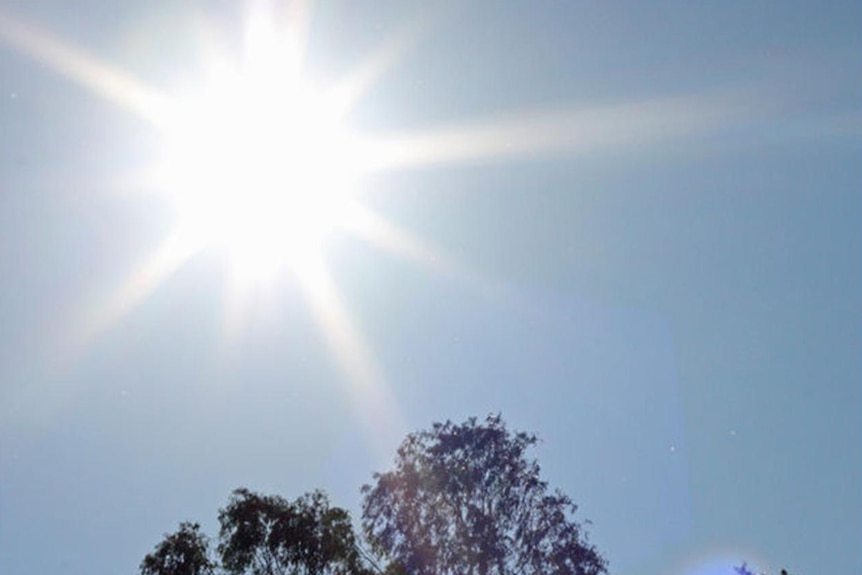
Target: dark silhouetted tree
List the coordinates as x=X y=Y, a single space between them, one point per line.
x=464 y=499
x=267 y=535
x=185 y=552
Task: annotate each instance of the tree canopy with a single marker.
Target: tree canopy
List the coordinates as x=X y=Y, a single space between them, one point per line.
x=265 y=535
x=464 y=499
x=185 y=552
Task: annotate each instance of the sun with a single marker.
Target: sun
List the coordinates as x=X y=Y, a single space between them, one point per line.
x=257 y=163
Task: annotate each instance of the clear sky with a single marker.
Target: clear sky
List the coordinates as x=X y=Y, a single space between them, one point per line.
x=632 y=228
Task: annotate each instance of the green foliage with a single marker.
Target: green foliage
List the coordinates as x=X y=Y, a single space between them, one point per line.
x=465 y=500
x=185 y=552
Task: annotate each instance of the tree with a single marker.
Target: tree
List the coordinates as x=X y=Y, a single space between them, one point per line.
x=464 y=499
x=267 y=535
x=185 y=552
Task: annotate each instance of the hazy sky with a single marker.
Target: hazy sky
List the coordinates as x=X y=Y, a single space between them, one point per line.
x=645 y=220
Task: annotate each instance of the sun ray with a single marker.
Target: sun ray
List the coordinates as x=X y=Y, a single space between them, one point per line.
x=274 y=41
x=385 y=235
x=573 y=130
x=382 y=233
x=375 y=405
x=83 y=68
x=297 y=17
x=146 y=279
x=350 y=89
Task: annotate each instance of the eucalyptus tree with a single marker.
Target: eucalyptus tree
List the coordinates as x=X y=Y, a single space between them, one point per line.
x=265 y=535
x=465 y=499
x=185 y=552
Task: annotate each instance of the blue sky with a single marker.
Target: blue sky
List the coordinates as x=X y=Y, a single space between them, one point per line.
x=651 y=258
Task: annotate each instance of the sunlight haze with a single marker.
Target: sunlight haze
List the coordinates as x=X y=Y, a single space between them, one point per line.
x=255 y=243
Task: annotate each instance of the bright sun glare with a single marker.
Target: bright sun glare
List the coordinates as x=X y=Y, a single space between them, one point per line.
x=257 y=163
